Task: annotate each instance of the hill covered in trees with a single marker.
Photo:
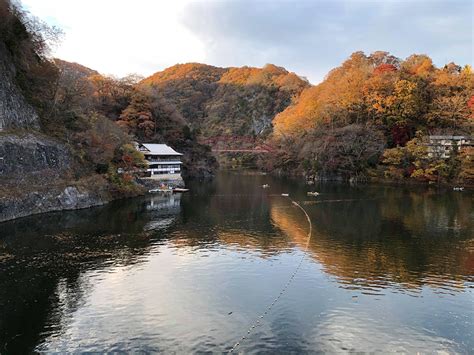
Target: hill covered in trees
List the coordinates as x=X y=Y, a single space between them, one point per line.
x=227 y=101
x=67 y=125
x=371 y=117
x=95 y=115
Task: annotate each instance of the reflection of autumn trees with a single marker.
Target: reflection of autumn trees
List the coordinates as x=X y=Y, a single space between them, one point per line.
x=232 y=212
x=374 y=238
x=439 y=212
x=408 y=239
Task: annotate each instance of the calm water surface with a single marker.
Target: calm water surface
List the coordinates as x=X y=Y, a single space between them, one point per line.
x=387 y=269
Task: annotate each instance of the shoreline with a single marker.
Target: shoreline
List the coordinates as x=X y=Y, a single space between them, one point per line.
x=369 y=180
x=72 y=197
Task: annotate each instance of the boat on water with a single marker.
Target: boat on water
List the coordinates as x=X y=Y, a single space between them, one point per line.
x=160 y=190
x=312 y=193
x=458 y=188
x=265 y=186
x=180 y=189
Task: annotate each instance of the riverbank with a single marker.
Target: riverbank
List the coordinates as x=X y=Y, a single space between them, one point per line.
x=21 y=201
x=376 y=180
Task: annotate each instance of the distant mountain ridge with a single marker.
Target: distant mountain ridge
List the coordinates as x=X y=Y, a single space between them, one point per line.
x=76 y=69
x=237 y=100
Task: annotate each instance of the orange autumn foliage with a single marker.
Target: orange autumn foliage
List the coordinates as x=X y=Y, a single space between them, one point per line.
x=383 y=90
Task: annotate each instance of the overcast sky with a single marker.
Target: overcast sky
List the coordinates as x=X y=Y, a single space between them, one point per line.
x=308 y=37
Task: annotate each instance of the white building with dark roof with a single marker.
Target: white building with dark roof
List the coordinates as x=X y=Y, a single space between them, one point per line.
x=164 y=163
x=441 y=146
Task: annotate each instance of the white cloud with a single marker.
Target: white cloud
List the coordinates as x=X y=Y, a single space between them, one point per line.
x=308 y=37
x=120 y=37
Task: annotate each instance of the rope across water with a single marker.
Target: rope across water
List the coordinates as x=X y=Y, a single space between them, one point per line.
x=268 y=309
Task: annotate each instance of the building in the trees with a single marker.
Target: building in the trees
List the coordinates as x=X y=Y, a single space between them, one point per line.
x=164 y=163
x=442 y=146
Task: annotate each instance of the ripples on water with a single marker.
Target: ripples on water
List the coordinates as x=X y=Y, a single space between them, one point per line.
x=387 y=270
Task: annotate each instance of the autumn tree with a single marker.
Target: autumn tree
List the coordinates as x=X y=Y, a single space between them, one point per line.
x=99 y=145
x=137 y=118
x=343 y=152
x=111 y=95
x=398 y=98
x=418 y=64
x=466 y=157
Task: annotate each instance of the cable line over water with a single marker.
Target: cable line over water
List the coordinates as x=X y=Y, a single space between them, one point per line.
x=283 y=290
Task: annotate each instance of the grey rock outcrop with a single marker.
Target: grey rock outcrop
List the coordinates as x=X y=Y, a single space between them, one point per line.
x=51 y=199
x=15 y=111
x=32 y=154
x=37 y=172
x=35 y=178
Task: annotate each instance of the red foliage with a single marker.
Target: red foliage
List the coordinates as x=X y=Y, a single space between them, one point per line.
x=127 y=178
x=470 y=103
x=385 y=68
x=400 y=135
x=127 y=158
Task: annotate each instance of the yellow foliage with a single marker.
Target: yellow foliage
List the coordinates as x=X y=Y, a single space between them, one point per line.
x=467 y=164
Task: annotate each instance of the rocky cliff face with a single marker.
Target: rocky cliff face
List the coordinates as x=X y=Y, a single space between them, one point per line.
x=39 y=173
x=15 y=112
x=53 y=199
x=36 y=177
x=32 y=155
x=35 y=170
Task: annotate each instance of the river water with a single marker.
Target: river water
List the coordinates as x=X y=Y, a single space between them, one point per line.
x=386 y=269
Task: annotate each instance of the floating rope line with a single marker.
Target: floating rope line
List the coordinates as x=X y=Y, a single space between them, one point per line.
x=313 y=202
x=268 y=309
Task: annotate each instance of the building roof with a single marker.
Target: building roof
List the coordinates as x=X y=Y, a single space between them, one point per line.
x=171 y=162
x=160 y=149
x=450 y=137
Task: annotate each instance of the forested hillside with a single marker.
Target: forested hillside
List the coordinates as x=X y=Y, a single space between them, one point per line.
x=371 y=116
x=369 y=119
x=227 y=101
x=67 y=125
x=80 y=107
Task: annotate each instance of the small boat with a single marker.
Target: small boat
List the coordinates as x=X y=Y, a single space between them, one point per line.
x=160 y=190
x=312 y=193
x=458 y=188
x=285 y=195
x=265 y=186
x=180 y=189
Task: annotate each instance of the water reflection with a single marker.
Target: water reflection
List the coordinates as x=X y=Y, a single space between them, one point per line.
x=188 y=273
x=366 y=236
x=359 y=332
x=162 y=211
x=378 y=252
x=43 y=258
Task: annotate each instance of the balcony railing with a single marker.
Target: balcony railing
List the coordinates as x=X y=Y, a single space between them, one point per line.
x=164 y=161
